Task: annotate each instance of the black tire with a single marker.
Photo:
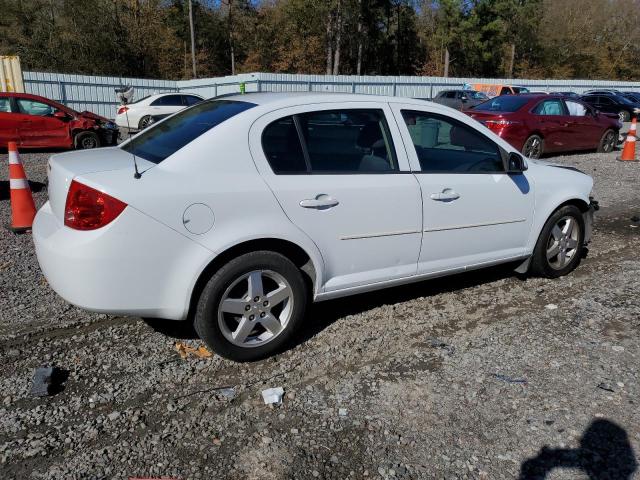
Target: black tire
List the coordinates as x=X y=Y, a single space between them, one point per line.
x=86 y=140
x=206 y=321
x=533 y=147
x=540 y=264
x=608 y=141
x=145 y=122
x=624 y=116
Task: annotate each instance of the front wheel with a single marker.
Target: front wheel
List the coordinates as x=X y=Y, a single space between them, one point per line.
x=607 y=142
x=251 y=307
x=560 y=245
x=533 y=147
x=87 y=140
x=624 y=116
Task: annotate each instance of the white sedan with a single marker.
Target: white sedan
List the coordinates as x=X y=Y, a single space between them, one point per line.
x=140 y=114
x=236 y=213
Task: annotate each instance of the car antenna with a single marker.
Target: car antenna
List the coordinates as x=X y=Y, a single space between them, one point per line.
x=124 y=94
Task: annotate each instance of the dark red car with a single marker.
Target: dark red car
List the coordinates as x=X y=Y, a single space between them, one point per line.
x=537 y=124
x=37 y=122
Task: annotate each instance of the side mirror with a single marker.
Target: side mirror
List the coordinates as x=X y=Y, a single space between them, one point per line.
x=516 y=164
x=61 y=115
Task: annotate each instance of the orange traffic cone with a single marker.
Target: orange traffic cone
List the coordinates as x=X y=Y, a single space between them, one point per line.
x=629 y=149
x=23 y=208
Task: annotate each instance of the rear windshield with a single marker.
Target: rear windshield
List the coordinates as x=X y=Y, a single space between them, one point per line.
x=505 y=103
x=162 y=140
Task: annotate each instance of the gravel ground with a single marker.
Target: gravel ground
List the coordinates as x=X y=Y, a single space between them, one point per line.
x=481 y=375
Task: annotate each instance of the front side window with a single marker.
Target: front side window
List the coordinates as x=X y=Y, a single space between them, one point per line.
x=549 y=107
x=163 y=139
x=605 y=101
x=335 y=141
x=32 y=107
x=444 y=145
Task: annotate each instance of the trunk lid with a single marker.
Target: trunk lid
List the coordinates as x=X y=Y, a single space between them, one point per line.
x=63 y=168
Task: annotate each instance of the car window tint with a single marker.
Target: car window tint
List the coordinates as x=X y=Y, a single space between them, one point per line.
x=549 y=107
x=31 y=107
x=346 y=141
x=505 y=91
x=575 y=109
x=168 y=101
x=281 y=145
x=191 y=99
x=5 y=104
x=605 y=101
x=450 y=95
x=163 y=139
x=444 y=145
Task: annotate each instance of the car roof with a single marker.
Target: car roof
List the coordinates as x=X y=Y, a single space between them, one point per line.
x=25 y=95
x=290 y=99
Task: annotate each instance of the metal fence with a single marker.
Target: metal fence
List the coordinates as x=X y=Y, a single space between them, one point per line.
x=84 y=92
x=96 y=94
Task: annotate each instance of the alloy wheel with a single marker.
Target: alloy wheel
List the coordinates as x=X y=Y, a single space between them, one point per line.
x=88 y=142
x=255 y=308
x=609 y=142
x=562 y=245
x=533 y=148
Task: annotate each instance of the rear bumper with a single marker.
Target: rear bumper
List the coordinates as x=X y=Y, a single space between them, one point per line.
x=133 y=266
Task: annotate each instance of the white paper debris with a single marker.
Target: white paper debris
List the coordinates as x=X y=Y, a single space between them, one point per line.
x=272 y=395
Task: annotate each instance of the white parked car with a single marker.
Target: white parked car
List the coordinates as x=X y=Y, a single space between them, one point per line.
x=246 y=209
x=140 y=114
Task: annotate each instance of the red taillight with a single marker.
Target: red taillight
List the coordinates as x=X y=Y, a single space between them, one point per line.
x=498 y=125
x=122 y=110
x=88 y=208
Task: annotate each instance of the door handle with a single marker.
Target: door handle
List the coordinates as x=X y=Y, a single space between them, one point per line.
x=321 y=202
x=447 y=195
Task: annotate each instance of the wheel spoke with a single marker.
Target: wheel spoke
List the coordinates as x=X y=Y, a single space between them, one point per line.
x=255 y=284
x=271 y=323
x=244 y=329
x=571 y=243
x=553 y=250
x=278 y=296
x=557 y=233
x=562 y=258
x=233 y=305
x=568 y=228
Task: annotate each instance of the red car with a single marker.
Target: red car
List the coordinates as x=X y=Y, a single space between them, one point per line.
x=537 y=124
x=37 y=122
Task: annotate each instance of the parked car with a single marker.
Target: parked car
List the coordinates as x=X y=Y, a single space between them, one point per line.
x=495 y=90
x=37 y=122
x=247 y=208
x=460 y=99
x=623 y=107
x=539 y=124
x=603 y=91
x=633 y=96
x=138 y=115
x=568 y=94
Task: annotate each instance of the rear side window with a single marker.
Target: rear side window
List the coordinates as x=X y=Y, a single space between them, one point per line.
x=191 y=99
x=168 y=101
x=508 y=103
x=444 y=145
x=549 y=107
x=335 y=141
x=162 y=140
x=5 y=105
x=282 y=147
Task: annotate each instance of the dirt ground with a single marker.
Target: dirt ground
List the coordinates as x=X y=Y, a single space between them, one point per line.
x=482 y=375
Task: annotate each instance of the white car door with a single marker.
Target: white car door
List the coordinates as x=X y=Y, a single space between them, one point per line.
x=335 y=171
x=166 y=105
x=474 y=212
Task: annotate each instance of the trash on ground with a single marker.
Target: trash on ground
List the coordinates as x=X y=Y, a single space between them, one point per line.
x=48 y=381
x=272 y=395
x=227 y=392
x=504 y=378
x=606 y=387
x=342 y=412
x=436 y=343
x=185 y=350
x=551 y=306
